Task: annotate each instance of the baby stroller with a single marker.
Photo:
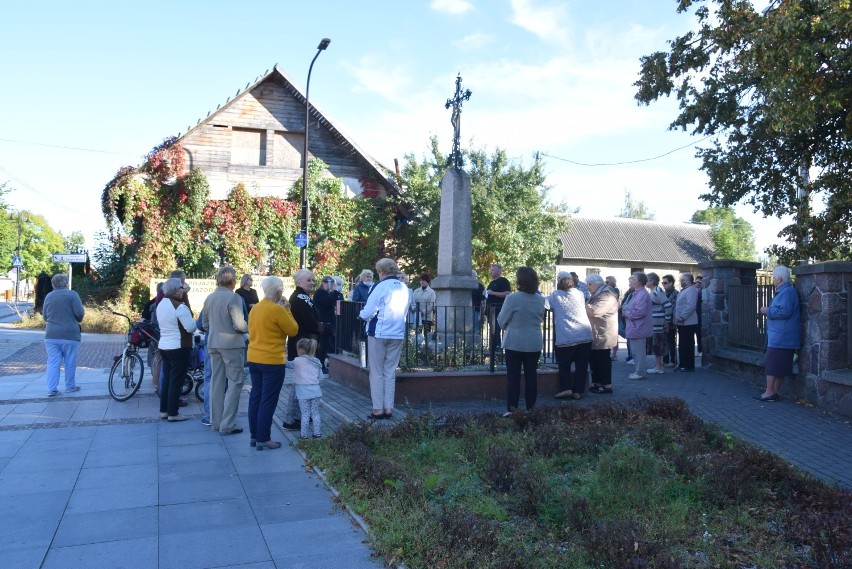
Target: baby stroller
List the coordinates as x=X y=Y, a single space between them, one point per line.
x=195 y=372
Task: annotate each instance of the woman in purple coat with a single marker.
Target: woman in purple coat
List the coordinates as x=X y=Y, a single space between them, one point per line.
x=640 y=325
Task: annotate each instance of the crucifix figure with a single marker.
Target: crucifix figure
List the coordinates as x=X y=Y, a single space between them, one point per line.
x=456 y=103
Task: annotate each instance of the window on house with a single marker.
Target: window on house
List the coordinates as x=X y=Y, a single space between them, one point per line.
x=592 y=271
x=287 y=152
x=248 y=147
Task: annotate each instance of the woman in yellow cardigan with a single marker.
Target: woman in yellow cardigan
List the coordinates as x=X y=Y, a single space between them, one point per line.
x=269 y=325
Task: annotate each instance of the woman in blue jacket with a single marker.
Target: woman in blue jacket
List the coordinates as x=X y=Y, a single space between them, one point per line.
x=783 y=333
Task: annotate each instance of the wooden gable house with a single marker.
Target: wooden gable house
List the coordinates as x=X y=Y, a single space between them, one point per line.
x=258 y=138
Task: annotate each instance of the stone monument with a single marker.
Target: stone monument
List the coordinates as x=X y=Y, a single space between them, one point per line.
x=454 y=282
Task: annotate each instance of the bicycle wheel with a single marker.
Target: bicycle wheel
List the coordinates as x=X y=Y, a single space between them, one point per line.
x=125 y=380
x=198 y=393
x=186 y=388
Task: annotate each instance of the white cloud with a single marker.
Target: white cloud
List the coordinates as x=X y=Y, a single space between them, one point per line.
x=376 y=75
x=576 y=104
x=474 y=41
x=453 y=7
x=546 y=22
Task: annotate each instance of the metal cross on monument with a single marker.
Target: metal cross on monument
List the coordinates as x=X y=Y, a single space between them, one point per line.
x=456 y=103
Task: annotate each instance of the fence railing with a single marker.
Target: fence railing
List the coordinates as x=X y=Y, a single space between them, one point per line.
x=445 y=337
x=746 y=325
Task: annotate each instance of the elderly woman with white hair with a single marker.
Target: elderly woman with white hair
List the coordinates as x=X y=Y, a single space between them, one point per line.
x=573 y=336
x=63 y=311
x=385 y=312
x=602 y=309
x=270 y=324
x=176 y=328
x=306 y=317
x=783 y=333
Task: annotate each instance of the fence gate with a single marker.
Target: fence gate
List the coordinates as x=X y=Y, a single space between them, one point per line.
x=746 y=325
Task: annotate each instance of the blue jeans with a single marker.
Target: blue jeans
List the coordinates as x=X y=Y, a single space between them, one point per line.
x=266 y=382
x=58 y=350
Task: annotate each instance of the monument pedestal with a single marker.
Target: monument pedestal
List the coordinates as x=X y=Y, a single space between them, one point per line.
x=454 y=283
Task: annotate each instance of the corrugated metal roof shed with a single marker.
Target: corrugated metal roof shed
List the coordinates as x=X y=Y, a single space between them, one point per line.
x=637 y=241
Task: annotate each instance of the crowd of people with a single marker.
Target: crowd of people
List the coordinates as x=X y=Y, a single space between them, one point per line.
x=291 y=337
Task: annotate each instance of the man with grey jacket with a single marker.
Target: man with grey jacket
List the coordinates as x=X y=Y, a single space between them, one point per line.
x=223 y=318
x=63 y=313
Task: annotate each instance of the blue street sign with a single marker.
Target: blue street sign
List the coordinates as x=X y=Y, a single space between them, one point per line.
x=301 y=240
x=16 y=262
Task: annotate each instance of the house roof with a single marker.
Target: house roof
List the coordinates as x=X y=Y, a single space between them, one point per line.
x=637 y=241
x=382 y=172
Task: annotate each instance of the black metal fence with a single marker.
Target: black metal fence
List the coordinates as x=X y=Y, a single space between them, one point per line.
x=436 y=340
x=746 y=325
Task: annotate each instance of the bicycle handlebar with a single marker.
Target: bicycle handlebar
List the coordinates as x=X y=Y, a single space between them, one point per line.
x=129 y=321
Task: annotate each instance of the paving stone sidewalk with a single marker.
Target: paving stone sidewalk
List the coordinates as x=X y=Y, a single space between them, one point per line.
x=86 y=481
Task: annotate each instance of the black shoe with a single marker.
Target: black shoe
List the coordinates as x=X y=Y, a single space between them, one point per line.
x=182 y=403
x=766 y=399
x=294 y=426
x=234 y=431
x=683 y=369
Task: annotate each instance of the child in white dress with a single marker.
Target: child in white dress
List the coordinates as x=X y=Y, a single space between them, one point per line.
x=307 y=372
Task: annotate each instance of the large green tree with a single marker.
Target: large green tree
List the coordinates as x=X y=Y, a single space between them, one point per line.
x=513 y=224
x=38 y=242
x=733 y=236
x=773 y=91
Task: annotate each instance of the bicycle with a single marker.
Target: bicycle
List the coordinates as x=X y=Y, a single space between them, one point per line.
x=126 y=374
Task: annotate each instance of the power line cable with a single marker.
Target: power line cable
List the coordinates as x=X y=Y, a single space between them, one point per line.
x=42 y=194
x=98 y=151
x=626 y=161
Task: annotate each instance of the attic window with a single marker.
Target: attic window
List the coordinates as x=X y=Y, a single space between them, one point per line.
x=248 y=147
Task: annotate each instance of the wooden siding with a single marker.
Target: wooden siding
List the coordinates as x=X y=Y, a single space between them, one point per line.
x=258 y=139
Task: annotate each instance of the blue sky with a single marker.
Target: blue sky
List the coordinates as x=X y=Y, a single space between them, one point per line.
x=116 y=78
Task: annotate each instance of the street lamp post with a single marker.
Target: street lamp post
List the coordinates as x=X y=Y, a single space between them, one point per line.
x=306 y=210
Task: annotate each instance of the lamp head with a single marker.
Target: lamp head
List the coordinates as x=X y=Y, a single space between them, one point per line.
x=323 y=44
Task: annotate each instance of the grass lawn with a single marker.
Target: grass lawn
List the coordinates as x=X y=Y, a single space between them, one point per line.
x=637 y=485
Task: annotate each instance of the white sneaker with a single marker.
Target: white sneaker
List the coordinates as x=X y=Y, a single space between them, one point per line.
x=507 y=414
x=628 y=361
x=654 y=370
x=635 y=376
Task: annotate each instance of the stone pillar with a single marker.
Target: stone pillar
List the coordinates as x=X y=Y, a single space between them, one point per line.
x=825 y=361
x=714 y=295
x=454 y=281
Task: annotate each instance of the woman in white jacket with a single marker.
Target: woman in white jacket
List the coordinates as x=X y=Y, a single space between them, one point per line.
x=385 y=313
x=176 y=328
